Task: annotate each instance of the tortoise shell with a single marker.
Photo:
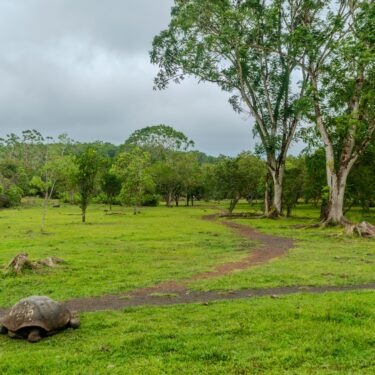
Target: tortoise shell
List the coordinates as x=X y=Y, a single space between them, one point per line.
x=37 y=311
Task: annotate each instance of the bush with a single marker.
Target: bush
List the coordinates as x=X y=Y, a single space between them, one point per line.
x=4 y=201
x=14 y=194
x=100 y=198
x=151 y=200
x=67 y=198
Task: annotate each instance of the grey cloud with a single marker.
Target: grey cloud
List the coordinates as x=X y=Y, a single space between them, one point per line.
x=82 y=67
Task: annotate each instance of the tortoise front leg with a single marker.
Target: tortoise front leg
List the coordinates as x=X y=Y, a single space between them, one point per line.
x=13 y=335
x=34 y=335
x=3 y=330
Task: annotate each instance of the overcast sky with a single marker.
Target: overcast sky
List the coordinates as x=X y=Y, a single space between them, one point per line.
x=82 y=67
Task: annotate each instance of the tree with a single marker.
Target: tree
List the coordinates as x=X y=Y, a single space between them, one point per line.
x=188 y=175
x=167 y=180
x=361 y=182
x=295 y=177
x=159 y=139
x=88 y=163
x=240 y=177
x=28 y=149
x=339 y=58
x=315 y=175
x=111 y=186
x=236 y=45
x=132 y=168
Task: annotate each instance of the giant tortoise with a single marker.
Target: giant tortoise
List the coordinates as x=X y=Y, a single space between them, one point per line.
x=35 y=317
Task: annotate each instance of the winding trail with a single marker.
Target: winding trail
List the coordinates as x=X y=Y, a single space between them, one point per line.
x=177 y=292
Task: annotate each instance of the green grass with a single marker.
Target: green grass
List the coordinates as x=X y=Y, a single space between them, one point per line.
x=301 y=334
x=111 y=253
x=320 y=257
x=330 y=333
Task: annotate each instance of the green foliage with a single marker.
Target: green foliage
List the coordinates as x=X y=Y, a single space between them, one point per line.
x=178 y=175
x=361 y=183
x=316 y=177
x=294 y=184
x=14 y=194
x=236 y=45
x=150 y=200
x=111 y=186
x=132 y=169
x=240 y=177
x=4 y=201
x=159 y=139
x=88 y=163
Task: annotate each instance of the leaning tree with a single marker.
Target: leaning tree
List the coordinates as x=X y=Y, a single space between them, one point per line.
x=246 y=48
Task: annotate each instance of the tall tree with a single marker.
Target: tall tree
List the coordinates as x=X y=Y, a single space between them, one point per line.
x=236 y=45
x=338 y=40
x=158 y=140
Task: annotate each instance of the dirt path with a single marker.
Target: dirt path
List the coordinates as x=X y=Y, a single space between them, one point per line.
x=109 y=302
x=171 y=293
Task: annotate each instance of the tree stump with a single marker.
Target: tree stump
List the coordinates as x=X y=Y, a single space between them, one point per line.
x=21 y=262
x=18 y=263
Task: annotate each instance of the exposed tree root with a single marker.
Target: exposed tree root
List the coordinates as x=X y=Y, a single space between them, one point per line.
x=363 y=229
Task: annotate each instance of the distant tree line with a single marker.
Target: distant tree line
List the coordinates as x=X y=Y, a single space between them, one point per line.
x=158 y=164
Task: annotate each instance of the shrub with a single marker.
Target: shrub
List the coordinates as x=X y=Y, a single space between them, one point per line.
x=151 y=200
x=14 y=194
x=4 y=201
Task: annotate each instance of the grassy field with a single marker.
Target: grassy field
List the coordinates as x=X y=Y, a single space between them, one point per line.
x=111 y=253
x=320 y=257
x=304 y=334
x=330 y=333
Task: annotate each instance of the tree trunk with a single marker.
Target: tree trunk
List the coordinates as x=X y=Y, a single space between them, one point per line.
x=45 y=205
x=267 y=196
x=83 y=215
x=233 y=204
x=277 y=177
x=47 y=198
x=169 y=199
x=337 y=186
